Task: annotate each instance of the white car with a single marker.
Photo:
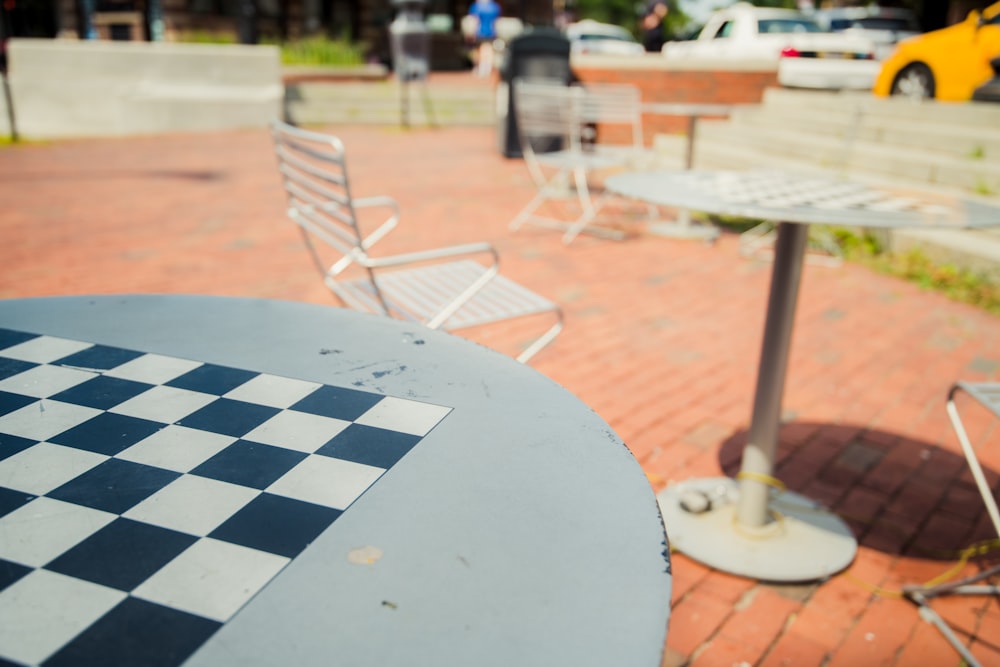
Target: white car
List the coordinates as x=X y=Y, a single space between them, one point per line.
x=885 y=26
x=806 y=55
x=589 y=36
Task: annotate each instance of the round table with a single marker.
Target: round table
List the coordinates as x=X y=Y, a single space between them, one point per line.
x=740 y=526
x=309 y=485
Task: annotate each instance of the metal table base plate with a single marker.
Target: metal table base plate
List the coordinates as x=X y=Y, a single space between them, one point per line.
x=804 y=542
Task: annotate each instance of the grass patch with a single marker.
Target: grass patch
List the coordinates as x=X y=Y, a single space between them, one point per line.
x=954 y=282
x=6 y=141
x=206 y=37
x=915 y=266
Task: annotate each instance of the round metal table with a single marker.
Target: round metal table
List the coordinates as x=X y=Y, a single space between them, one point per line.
x=311 y=486
x=741 y=526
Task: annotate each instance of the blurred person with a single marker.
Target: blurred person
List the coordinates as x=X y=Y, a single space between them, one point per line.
x=652 y=25
x=486 y=13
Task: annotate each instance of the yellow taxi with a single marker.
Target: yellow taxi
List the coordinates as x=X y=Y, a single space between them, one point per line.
x=947 y=64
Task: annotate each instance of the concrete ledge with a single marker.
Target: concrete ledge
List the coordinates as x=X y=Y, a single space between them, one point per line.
x=69 y=88
x=306 y=74
x=655 y=62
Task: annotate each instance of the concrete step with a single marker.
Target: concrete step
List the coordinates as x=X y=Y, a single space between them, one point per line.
x=961 y=130
x=969 y=170
x=981 y=114
x=946 y=147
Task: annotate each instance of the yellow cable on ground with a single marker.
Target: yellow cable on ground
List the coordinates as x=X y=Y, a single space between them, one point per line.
x=964 y=555
x=773 y=482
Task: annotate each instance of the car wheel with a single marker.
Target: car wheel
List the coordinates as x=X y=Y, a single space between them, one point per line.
x=914 y=81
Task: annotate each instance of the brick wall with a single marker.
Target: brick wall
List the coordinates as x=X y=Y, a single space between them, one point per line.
x=670 y=82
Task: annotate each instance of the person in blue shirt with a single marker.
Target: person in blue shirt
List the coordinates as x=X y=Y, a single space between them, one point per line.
x=486 y=13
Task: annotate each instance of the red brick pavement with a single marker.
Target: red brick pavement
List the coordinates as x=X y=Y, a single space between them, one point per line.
x=661 y=340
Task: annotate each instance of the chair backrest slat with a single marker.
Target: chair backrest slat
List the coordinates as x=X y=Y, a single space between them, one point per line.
x=547 y=111
x=614 y=104
x=313 y=167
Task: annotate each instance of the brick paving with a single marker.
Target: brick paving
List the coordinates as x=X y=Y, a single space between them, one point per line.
x=662 y=338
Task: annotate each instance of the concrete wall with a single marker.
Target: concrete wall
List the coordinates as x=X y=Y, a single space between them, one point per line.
x=69 y=88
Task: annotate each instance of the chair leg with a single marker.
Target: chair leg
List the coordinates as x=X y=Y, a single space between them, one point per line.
x=590 y=208
x=542 y=340
x=528 y=211
x=428 y=109
x=972 y=459
x=922 y=595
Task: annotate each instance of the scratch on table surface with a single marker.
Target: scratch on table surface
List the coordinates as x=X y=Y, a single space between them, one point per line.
x=394 y=371
x=86 y=369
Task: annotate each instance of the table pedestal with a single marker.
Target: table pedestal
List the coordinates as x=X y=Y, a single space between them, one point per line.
x=684 y=228
x=747 y=530
x=803 y=542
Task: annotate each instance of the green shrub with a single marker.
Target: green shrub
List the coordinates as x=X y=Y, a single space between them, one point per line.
x=321 y=51
x=317 y=50
x=956 y=283
x=867 y=249
x=206 y=37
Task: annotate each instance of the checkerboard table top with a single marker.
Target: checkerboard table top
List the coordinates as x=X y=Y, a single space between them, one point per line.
x=136 y=485
x=207 y=481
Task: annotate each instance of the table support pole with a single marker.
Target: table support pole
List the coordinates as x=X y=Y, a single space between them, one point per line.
x=689 y=153
x=759 y=453
x=684 y=227
x=741 y=526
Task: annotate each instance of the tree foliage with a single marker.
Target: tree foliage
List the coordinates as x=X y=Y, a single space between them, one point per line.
x=628 y=14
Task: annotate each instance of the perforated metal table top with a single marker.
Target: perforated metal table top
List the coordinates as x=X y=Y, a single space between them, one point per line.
x=805 y=198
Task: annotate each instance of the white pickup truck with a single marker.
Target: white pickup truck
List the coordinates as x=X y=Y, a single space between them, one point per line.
x=805 y=54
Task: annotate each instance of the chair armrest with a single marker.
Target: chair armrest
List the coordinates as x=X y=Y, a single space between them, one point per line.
x=373 y=237
x=466 y=294
x=429 y=255
x=387 y=226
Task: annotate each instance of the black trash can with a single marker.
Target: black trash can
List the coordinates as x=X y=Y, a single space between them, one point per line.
x=410 y=41
x=537 y=53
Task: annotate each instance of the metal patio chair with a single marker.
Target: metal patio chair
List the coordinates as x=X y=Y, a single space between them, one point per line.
x=617 y=104
x=441 y=288
x=987 y=395
x=550 y=119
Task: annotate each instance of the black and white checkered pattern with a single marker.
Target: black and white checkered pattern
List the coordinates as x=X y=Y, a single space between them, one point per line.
x=145 y=498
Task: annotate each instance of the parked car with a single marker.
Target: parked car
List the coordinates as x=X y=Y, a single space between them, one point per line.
x=806 y=55
x=589 y=36
x=947 y=64
x=885 y=26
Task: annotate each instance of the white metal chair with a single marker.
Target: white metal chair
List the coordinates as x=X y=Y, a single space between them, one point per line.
x=618 y=104
x=440 y=288
x=550 y=119
x=987 y=395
